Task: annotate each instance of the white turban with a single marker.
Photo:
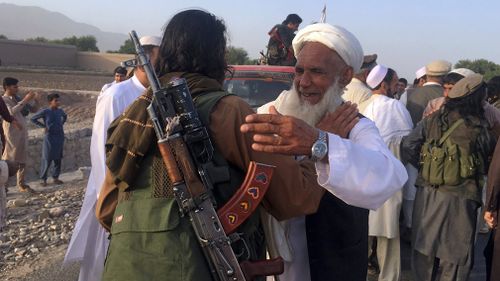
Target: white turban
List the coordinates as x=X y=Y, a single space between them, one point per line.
x=334 y=37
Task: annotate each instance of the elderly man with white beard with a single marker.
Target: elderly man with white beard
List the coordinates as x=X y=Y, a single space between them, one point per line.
x=359 y=170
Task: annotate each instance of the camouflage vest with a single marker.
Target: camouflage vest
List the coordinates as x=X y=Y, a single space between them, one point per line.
x=450 y=157
x=152 y=241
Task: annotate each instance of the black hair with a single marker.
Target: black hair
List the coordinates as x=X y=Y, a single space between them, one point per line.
x=493 y=89
x=404 y=81
x=292 y=18
x=468 y=106
x=9 y=81
x=452 y=78
x=388 y=78
x=120 y=70
x=53 y=96
x=194 y=41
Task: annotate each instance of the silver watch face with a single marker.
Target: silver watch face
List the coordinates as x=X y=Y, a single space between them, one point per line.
x=319 y=150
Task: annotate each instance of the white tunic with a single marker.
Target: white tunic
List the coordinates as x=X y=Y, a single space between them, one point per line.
x=361 y=171
x=357 y=92
x=393 y=121
x=89 y=241
x=106 y=86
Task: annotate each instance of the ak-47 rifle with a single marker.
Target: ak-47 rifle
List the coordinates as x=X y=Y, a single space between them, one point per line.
x=187 y=153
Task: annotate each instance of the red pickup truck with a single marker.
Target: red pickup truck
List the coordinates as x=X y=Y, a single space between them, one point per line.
x=258 y=84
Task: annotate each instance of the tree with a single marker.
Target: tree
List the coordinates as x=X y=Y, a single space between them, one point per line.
x=38 y=39
x=127 y=47
x=83 y=43
x=87 y=43
x=485 y=67
x=3 y=36
x=236 y=55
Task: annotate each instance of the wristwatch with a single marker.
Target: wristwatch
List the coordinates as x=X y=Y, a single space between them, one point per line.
x=320 y=148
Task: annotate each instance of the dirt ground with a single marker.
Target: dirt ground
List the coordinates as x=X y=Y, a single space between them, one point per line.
x=66 y=80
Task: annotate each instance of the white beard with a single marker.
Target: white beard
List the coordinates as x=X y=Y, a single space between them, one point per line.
x=289 y=103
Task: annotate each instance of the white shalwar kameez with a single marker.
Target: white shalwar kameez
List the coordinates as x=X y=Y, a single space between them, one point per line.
x=393 y=121
x=89 y=241
x=361 y=171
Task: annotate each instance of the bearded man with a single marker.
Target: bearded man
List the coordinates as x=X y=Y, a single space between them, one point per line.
x=359 y=171
x=393 y=121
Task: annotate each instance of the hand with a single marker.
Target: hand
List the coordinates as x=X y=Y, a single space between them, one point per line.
x=491 y=219
x=29 y=96
x=37 y=96
x=276 y=133
x=341 y=121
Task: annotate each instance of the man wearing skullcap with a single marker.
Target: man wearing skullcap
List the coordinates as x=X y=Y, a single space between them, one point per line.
x=393 y=122
x=89 y=241
x=431 y=89
x=418 y=82
x=452 y=147
x=353 y=164
x=357 y=92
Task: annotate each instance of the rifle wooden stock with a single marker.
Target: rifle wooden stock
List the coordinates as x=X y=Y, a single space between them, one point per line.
x=186 y=165
x=169 y=160
x=262 y=268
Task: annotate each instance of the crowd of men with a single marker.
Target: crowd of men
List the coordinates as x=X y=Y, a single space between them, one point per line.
x=353 y=146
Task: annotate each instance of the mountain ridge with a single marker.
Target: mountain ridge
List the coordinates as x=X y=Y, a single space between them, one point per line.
x=41 y=23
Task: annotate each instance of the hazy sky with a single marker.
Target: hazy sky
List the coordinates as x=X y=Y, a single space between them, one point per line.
x=405 y=34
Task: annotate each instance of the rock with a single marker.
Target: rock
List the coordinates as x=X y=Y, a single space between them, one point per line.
x=16 y=203
x=56 y=212
x=45 y=214
x=84 y=172
x=34 y=250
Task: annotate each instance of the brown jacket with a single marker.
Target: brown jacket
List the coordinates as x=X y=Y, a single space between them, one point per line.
x=294 y=190
x=493 y=205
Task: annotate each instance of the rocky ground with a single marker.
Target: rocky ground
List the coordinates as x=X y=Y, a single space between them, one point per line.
x=39 y=227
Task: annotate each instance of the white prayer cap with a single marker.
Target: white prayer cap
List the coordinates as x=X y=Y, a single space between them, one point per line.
x=376 y=76
x=463 y=71
x=150 y=40
x=420 y=72
x=334 y=37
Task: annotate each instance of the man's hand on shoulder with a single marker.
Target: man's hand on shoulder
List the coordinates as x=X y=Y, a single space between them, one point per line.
x=276 y=133
x=341 y=121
